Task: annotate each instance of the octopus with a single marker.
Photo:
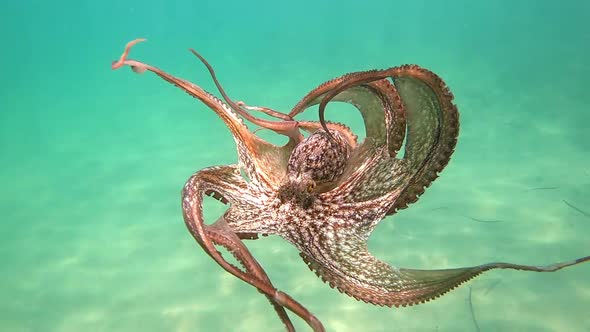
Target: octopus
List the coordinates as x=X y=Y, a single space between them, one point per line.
x=324 y=191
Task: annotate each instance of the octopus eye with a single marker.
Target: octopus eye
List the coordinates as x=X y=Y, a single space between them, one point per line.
x=310 y=187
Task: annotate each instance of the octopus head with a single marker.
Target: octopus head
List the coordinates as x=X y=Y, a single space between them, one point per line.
x=314 y=165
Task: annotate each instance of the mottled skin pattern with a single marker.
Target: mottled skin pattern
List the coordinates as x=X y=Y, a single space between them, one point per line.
x=318 y=160
x=326 y=193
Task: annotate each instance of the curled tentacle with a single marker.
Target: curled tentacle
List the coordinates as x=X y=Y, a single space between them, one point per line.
x=378 y=102
x=432 y=130
x=223 y=181
x=350 y=81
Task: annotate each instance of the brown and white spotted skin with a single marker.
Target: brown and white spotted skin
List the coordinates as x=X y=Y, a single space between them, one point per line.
x=314 y=166
x=326 y=193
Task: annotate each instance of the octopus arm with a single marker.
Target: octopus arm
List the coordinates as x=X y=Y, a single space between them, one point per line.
x=433 y=127
x=312 y=126
x=378 y=103
x=342 y=260
x=264 y=162
x=417 y=107
x=225 y=184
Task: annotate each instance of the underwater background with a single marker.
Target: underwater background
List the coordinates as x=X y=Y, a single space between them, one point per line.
x=92 y=161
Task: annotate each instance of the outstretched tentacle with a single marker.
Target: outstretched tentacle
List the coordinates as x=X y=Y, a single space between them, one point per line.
x=341 y=259
x=265 y=110
x=264 y=162
x=285 y=127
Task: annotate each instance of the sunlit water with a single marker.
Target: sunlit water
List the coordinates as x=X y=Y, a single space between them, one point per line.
x=92 y=161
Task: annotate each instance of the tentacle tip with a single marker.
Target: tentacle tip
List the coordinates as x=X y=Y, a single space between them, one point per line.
x=138 y=70
x=119 y=63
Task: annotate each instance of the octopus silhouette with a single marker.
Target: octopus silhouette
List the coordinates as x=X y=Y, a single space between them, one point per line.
x=326 y=192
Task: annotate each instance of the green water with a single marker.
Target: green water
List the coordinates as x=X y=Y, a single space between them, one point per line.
x=92 y=161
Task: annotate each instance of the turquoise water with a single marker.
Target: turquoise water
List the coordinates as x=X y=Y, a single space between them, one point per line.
x=92 y=161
